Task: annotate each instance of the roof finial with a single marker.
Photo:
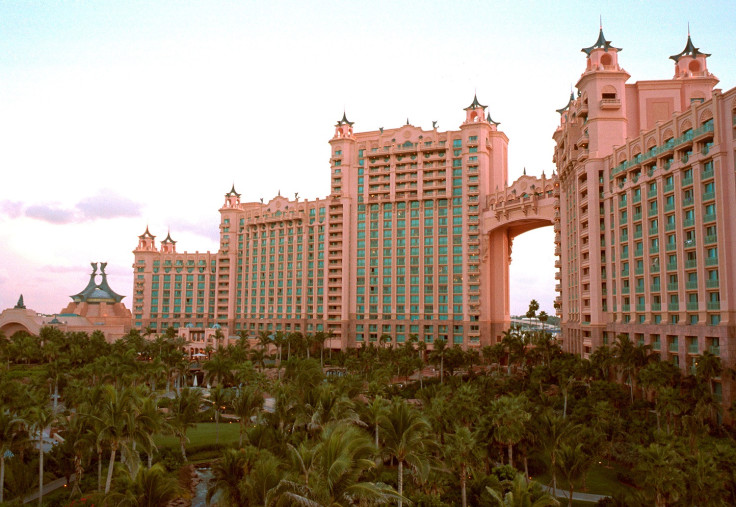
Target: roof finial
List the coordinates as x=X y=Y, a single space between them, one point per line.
x=407 y=120
x=688 y=29
x=524 y=170
x=600 y=21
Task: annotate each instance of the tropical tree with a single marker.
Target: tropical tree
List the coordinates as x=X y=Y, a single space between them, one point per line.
x=659 y=466
x=522 y=493
x=532 y=311
x=114 y=422
x=463 y=453
x=219 y=369
x=219 y=397
x=227 y=474
x=149 y=487
x=9 y=427
x=438 y=356
x=509 y=416
x=246 y=403
x=553 y=430
x=573 y=462
x=183 y=413
x=707 y=367
x=405 y=434
x=39 y=418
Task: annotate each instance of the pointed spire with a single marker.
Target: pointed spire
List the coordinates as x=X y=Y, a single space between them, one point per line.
x=91 y=285
x=434 y=124
x=524 y=170
x=168 y=238
x=20 y=305
x=146 y=235
x=690 y=49
x=344 y=120
x=601 y=43
x=407 y=120
x=490 y=120
x=475 y=104
x=106 y=287
x=232 y=192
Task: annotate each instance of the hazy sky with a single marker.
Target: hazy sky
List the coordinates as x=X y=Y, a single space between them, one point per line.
x=115 y=115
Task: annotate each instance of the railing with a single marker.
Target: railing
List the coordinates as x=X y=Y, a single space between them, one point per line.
x=713 y=305
x=658 y=150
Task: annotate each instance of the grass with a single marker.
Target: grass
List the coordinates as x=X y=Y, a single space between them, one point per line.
x=201 y=434
x=601 y=480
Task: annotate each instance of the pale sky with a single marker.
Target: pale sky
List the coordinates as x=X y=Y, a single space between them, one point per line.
x=120 y=114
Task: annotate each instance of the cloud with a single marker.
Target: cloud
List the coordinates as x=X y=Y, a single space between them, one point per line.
x=207 y=228
x=12 y=209
x=107 y=204
x=104 y=205
x=50 y=214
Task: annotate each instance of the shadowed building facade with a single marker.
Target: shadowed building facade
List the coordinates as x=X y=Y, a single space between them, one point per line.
x=647 y=209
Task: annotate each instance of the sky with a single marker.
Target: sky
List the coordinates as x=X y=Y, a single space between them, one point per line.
x=121 y=114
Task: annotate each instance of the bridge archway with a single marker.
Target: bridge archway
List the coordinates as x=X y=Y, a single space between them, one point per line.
x=529 y=203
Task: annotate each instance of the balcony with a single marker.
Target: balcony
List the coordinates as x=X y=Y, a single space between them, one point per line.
x=715 y=350
x=691 y=285
x=654 y=249
x=691 y=263
x=674 y=347
x=625 y=308
x=689 y=243
x=640 y=308
x=656 y=307
x=692 y=348
x=625 y=290
x=707 y=173
x=672 y=286
x=671 y=247
x=709 y=217
x=692 y=306
x=686 y=182
x=688 y=222
x=673 y=307
x=713 y=306
x=709 y=196
x=655 y=287
x=711 y=261
x=671 y=266
x=712 y=284
x=610 y=104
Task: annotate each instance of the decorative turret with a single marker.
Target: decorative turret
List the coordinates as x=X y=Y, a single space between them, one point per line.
x=147 y=241
x=690 y=62
x=602 y=55
x=168 y=245
x=20 y=305
x=475 y=112
x=343 y=127
x=232 y=198
x=97 y=293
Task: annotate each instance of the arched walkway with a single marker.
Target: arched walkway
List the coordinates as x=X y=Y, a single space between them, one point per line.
x=529 y=203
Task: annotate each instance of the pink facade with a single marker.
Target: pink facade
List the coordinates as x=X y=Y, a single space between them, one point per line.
x=647 y=205
x=399 y=247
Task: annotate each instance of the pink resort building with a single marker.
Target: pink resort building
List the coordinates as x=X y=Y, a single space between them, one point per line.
x=415 y=236
x=647 y=230
x=399 y=247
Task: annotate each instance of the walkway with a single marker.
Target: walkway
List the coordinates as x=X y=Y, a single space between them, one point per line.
x=581 y=497
x=47 y=488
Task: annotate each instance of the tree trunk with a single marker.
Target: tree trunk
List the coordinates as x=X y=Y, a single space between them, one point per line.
x=56 y=394
x=564 y=407
x=183 y=450
x=510 y=448
x=109 y=468
x=526 y=468
x=2 y=476
x=401 y=480
x=99 y=470
x=571 y=490
x=463 y=493
x=40 y=467
x=217 y=427
x=554 y=475
x=376 y=435
x=442 y=369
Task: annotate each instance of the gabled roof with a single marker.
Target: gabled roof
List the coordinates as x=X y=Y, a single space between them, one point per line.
x=690 y=50
x=475 y=104
x=601 y=43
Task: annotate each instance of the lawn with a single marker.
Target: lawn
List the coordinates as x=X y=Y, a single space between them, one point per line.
x=202 y=434
x=601 y=481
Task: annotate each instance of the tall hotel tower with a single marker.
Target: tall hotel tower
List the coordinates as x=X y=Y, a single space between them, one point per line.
x=396 y=249
x=648 y=209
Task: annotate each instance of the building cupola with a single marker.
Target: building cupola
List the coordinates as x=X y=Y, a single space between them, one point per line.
x=232 y=198
x=168 y=245
x=147 y=241
x=690 y=62
x=475 y=112
x=602 y=55
x=343 y=127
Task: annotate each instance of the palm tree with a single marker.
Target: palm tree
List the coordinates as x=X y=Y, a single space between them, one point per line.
x=372 y=414
x=532 y=311
x=9 y=426
x=218 y=369
x=707 y=367
x=438 y=355
x=543 y=318
x=183 y=413
x=405 y=439
x=114 y=418
x=523 y=493
x=573 y=463
x=247 y=402
x=219 y=398
x=462 y=452
x=553 y=430
x=509 y=419
x=150 y=487
x=661 y=475
x=40 y=418
x=227 y=474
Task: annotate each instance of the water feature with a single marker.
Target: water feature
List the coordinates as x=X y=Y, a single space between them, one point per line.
x=200 y=490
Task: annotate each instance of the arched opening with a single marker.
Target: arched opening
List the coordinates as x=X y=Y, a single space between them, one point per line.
x=606 y=59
